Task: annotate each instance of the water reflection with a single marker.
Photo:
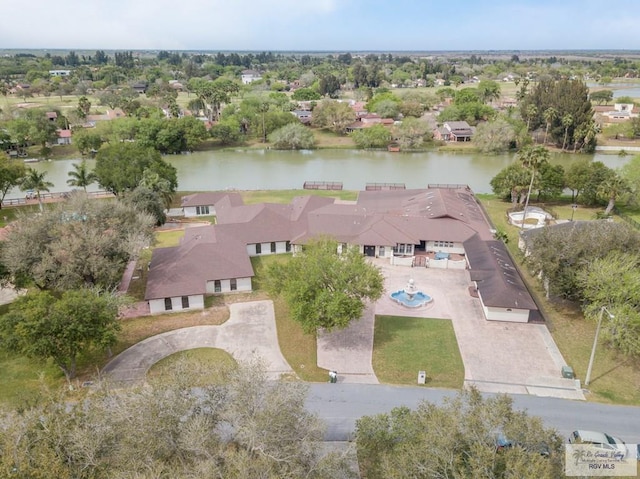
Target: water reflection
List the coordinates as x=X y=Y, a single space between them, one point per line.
x=272 y=169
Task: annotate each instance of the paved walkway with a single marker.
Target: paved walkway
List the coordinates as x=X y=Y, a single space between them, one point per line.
x=250 y=332
x=349 y=351
x=498 y=356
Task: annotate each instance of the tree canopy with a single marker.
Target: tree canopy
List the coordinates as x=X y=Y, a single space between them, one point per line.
x=466 y=436
x=325 y=289
x=293 y=136
x=574 y=113
x=333 y=115
x=76 y=243
x=43 y=326
x=11 y=175
x=241 y=427
x=120 y=167
x=561 y=252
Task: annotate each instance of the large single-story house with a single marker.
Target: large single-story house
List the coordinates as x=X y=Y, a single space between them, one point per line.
x=408 y=227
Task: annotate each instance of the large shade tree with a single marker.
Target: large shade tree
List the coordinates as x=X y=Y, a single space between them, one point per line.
x=77 y=243
x=44 y=326
x=333 y=115
x=558 y=254
x=324 y=288
x=121 y=167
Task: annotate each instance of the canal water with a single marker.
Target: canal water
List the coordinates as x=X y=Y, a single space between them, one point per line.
x=273 y=169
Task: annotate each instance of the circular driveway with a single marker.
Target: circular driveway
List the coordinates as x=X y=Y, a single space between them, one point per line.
x=249 y=333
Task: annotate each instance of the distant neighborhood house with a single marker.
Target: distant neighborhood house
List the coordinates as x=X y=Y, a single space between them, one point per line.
x=453 y=131
x=437 y=227
x=64 y=137
x=249 y=76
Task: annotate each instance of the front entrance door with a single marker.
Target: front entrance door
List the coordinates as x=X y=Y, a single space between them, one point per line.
x=369 y=250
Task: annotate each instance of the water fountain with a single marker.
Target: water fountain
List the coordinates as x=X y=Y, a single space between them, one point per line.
x=410 y=296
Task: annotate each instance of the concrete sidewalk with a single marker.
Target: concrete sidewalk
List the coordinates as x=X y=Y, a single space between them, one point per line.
x=349 y=351
x=249 y=333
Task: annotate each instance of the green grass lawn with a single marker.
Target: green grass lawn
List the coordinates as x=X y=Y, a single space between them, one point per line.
x=166 y=239
x=285 y=196
x=212 y=360
x=403 y=346
x=24 y=379
x=614 y=379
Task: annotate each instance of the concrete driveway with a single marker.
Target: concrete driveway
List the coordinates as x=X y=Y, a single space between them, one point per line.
x=498 y=356
x=250 y=332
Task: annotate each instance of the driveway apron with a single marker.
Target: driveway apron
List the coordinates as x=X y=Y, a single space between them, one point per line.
x=249 y=333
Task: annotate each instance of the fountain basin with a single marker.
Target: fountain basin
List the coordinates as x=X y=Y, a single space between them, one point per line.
x=411 y=300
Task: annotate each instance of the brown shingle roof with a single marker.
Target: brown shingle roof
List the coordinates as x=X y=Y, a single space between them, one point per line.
x=184 y=270
x=210 y=198
x=499 y=283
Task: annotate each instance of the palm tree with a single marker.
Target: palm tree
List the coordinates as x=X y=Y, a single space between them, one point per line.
x=567 y=121
x=549 y=114
x=532 y=111
x=36 y=181
x=81 y=176
x=612 y=187
x=532 y=157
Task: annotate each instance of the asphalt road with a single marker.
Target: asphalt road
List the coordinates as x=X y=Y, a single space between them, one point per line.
x=339 y=405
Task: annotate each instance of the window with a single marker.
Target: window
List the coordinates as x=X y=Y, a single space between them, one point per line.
x=258 y=248
x=381 y=252
x=217 y=286
x=168 y=306
x=234 y=284
x=202 y=210
x=288 y=247
x=185 y=302
x=273 y=246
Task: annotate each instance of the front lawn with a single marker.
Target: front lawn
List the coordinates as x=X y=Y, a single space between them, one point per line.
x=212 y=361
x=402 y=346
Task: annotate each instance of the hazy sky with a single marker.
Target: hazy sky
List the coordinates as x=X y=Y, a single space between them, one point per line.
x=334 y=25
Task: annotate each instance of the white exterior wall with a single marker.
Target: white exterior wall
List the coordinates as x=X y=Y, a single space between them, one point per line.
x=446 y=264
x=243 y=284
x=511 y=315
x=402 y=260
x=156 y=306
x=281 y=247
x=456 y=248
x=191 y=211
x=502 y=314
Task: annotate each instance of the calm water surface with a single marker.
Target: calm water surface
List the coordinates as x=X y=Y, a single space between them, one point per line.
x=271 y=169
